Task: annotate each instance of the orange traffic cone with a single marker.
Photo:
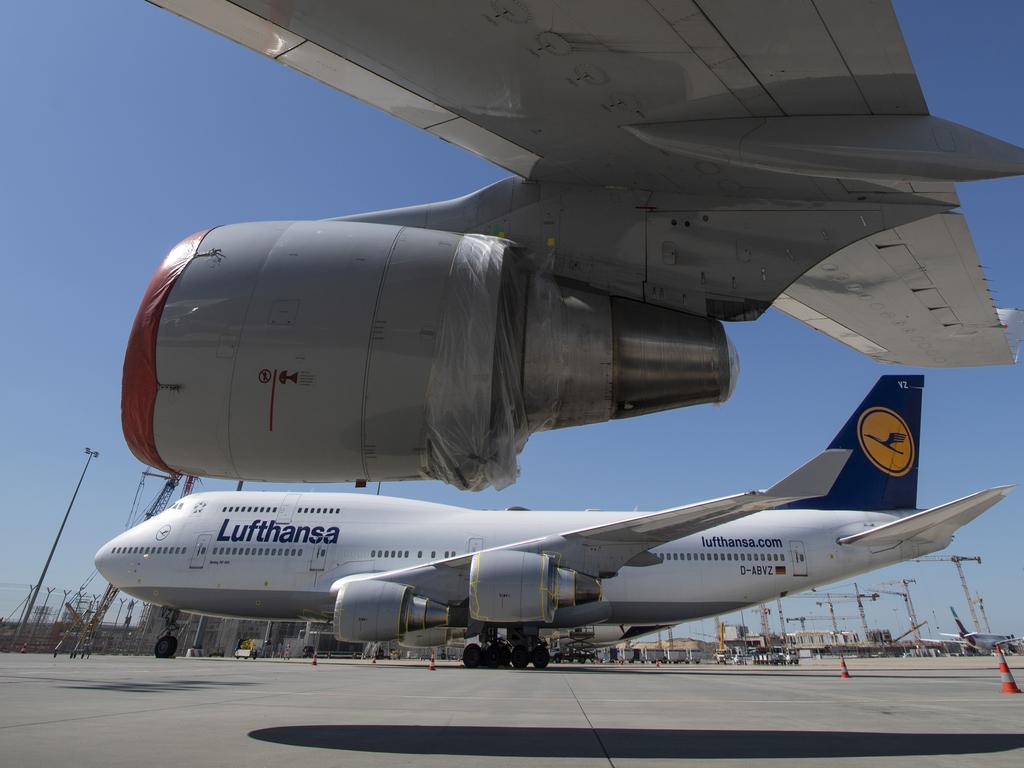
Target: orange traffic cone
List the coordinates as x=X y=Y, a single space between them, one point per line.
x=1009 y=684
x=313 y=663
x=844 y=673
x=431 y=667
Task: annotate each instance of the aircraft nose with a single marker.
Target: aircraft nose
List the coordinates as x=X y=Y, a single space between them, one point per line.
x=104 y=561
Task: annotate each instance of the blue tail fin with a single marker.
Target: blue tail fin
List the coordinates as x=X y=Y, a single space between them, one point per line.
x=884 y=434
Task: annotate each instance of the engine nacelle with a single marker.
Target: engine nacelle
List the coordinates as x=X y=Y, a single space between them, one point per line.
x=515 y=587
x=370 y=610
x=332 y=351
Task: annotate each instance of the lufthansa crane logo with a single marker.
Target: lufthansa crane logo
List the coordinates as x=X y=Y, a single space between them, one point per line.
x=163 y=532
x=886 y=440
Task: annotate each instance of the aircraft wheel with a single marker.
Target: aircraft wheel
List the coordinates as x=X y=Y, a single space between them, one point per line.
x=540 y=657
x=504 y=655
x=492 y=655
x=165 y=647
x=471 y=656
x=520 y=657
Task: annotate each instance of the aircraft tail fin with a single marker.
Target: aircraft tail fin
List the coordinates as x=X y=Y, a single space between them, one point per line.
x=884 y=436
x=959 y=624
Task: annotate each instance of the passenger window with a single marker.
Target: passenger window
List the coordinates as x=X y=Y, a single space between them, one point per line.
x=406 y=553
x=433 y=554
x=373 y=553
x=419 y=554
x=300 y=553
x=246 y=552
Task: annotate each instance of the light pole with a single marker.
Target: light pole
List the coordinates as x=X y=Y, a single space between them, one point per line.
x=91 y=454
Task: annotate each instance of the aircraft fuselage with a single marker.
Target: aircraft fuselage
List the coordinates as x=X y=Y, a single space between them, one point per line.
x=276 y=555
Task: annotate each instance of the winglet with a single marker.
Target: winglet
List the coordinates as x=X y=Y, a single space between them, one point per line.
x=813 y=479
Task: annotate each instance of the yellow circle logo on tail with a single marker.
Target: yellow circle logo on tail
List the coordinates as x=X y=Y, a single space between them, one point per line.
x=886 y=440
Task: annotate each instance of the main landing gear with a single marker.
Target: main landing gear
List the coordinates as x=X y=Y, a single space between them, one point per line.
x=167 y=645
x=518 y=651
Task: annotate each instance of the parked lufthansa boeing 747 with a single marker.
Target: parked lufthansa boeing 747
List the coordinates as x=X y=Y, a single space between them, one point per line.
x=425 y=574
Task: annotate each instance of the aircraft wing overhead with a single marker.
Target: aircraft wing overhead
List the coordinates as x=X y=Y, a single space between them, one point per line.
x=802 y=120
x=544 y=88
x=913 y=295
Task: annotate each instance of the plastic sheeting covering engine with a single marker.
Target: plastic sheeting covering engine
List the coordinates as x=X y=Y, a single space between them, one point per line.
x=476 y=417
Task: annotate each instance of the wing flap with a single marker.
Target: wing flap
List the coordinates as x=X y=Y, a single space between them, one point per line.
x=935 y=524
x=913 y=295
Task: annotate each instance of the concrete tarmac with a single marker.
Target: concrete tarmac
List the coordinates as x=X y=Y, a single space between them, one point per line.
x=123 y=711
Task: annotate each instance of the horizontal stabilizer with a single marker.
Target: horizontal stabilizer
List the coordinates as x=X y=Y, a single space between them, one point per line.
x=935 y=524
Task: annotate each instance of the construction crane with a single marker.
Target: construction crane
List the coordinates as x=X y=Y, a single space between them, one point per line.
x=766 y=631
x=160 y=503
x=802 y=620
x=981 y=607
x=957 y=560
x=915 y=625
x=782 y=624
x=857 y=596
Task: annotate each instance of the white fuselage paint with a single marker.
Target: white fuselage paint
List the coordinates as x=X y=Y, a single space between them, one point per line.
x=179 y=558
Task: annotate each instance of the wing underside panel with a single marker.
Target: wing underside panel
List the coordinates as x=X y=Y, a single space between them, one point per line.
x=913 y=295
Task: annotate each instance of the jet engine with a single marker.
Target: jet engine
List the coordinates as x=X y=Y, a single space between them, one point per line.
x=332 y=351
x=515 y=587
x=371 y=610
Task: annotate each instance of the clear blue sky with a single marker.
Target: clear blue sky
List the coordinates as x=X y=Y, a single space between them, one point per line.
x=127 y=128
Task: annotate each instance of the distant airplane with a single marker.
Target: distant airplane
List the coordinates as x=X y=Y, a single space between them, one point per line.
x=426 y=574
x=982 y=641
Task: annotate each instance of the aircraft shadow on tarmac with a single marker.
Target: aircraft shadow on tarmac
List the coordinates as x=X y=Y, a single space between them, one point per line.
x=614 y=743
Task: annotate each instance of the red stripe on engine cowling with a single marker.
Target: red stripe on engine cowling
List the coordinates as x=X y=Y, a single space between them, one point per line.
x=139 y=383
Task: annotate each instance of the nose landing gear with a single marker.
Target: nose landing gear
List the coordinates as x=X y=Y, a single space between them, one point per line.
x=165 y=647
x=167 y=644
